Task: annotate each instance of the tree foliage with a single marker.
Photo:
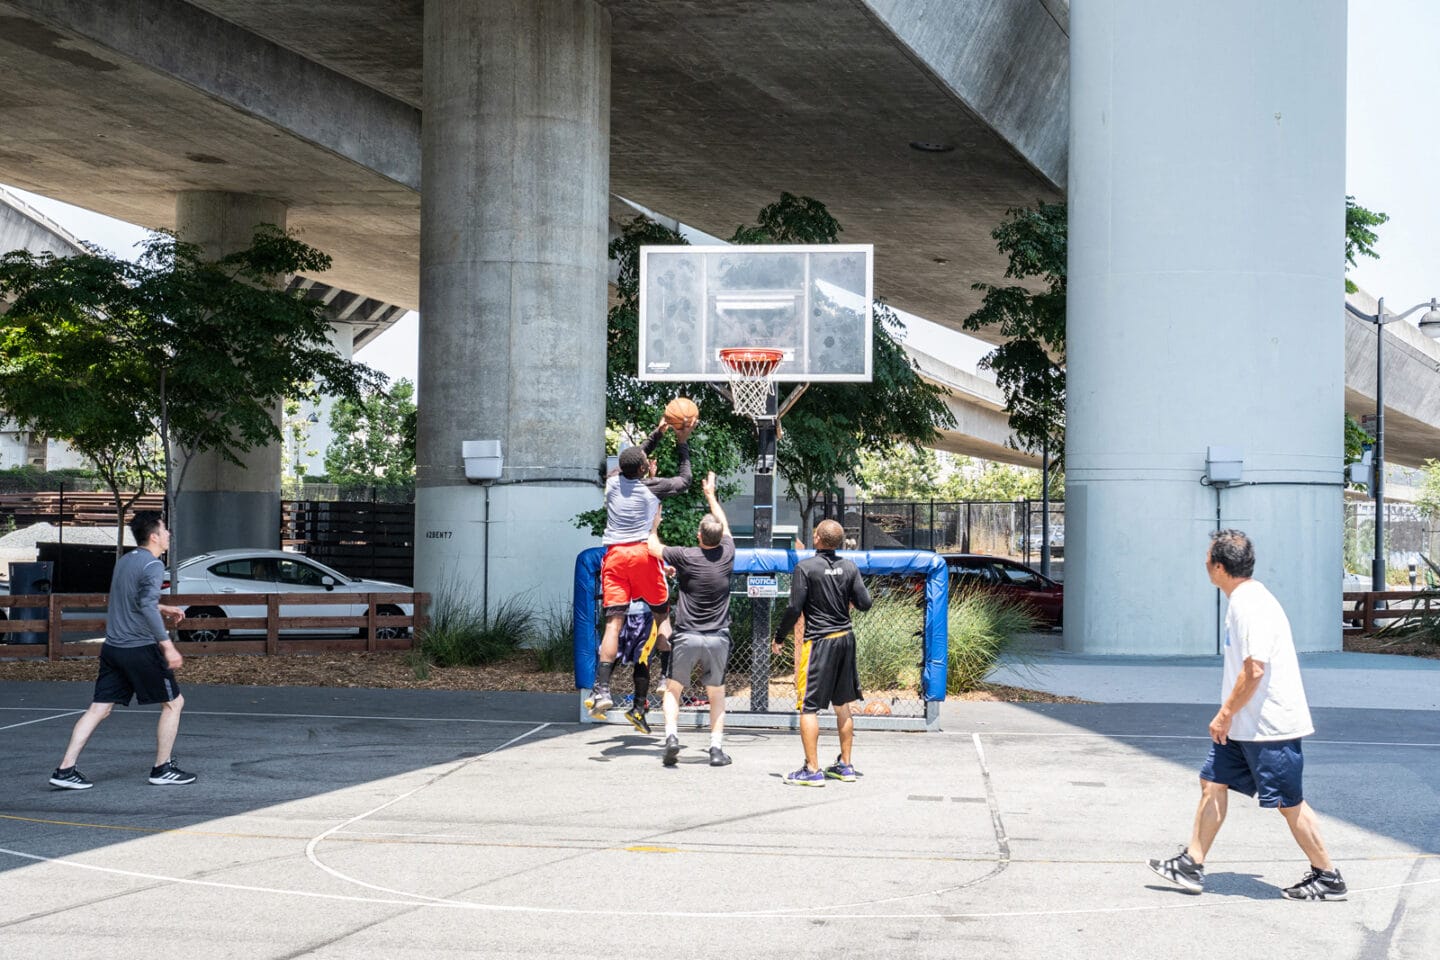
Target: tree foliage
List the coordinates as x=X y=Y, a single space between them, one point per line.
x=201 y=352
x=1360 y=238
x=374 y=438
x=1428 y=499
x=1029 y=366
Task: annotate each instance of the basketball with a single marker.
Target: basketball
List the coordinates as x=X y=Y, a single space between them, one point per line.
x=876 y=708
x=681 y=413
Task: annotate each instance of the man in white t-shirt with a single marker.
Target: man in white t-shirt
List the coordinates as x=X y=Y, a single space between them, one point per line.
x=1263 y=715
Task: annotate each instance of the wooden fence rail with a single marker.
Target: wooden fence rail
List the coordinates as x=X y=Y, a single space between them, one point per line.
x=1372 y=607
x=60 y=619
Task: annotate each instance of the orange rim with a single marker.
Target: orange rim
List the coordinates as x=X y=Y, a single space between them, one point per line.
x=753 y=361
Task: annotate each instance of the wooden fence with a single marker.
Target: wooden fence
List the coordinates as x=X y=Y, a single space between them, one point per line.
x=71 y=508
x=1371 y=608
x=375 y=541
x=57 y=623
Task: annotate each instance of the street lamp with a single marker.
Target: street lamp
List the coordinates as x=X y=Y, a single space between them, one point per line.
x=1430 y=326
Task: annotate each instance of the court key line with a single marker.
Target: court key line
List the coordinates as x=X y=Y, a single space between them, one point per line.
x=736 y=914
x=57 y=716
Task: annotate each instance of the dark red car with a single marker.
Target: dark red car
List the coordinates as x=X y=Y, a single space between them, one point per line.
x=1011 y=580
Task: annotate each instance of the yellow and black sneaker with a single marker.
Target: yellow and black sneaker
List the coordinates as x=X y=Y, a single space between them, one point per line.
x=636 y=716
x=598 y=703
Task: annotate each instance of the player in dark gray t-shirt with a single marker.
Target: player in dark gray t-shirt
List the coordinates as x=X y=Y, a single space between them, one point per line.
x=137 y=659
x=702 y=623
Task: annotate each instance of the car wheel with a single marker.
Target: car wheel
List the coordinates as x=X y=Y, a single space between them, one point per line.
x=388 y=633
x=199 y=633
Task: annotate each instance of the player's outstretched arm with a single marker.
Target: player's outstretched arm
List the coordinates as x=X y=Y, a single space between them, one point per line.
x=713 y=504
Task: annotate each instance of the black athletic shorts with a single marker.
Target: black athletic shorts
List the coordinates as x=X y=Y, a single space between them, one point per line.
x=139 y=672
x=827 y=673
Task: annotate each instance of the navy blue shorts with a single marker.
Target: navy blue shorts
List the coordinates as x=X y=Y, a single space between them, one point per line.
x=1271 y=768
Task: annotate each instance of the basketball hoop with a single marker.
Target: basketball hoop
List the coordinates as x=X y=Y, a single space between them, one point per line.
x=751 y=373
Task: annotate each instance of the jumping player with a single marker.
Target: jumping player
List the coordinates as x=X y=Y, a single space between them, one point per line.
x=632 y=499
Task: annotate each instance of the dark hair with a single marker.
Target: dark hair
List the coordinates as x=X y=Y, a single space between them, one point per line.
x=711 y=531
x=829 y=535
x=1233 y=551
x=633 y=463
x=144 y=525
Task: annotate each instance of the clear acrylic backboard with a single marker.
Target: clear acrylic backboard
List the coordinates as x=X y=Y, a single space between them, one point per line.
x=813 y=302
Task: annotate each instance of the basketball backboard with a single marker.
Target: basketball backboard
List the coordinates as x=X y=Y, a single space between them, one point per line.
x=812 y=302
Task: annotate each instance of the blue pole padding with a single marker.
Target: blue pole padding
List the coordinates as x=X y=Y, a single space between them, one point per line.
x=935 y=664
x=585 y=634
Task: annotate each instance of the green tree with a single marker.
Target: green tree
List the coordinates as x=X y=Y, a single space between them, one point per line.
x=989 y=480
x=1360 y=239
x=1429 y=498
x=1029 y=366
x=374 y=438
x=899 y=472
x=201 y=352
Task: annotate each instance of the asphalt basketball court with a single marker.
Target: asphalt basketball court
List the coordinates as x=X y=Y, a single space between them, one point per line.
x=359 y=823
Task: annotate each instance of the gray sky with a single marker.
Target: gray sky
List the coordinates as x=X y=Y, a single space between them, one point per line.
x=1392 y=165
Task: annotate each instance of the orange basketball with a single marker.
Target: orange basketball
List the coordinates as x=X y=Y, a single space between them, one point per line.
x=681 y=413
x=877 y=708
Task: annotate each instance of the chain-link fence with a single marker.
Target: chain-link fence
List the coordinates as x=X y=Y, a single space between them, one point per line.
x=1011 y=529
x=893 y=646
x=1409 y=537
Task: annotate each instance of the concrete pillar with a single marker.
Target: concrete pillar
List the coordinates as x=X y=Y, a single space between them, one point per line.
x=1206 y=204
x=515 y=159
x=222 y=505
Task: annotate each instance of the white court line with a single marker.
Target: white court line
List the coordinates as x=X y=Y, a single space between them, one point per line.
x=57 y=716
x=1213 y=903
x=320 y=838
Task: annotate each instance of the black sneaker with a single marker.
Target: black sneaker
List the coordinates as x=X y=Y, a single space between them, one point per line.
x=1181 y=870
x=719 y=758
x=1316 y=885
x=672 y=751
x=70 y=778
x=169 y=775
x=637 y=719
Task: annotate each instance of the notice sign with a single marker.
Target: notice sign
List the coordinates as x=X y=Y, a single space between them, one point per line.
x=758 y=586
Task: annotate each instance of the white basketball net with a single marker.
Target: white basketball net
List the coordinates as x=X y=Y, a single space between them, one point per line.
x=751 y=374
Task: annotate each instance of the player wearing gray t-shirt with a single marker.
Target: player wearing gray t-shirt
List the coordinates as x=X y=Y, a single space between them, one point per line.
x=137 y=659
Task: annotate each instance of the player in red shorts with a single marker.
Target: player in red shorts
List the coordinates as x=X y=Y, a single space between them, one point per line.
x=632 y=504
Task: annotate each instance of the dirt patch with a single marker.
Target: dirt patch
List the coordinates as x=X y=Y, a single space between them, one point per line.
x=1402 y=647
x=394 y=671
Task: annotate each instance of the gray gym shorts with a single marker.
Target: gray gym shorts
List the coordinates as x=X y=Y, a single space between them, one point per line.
x=708 y=650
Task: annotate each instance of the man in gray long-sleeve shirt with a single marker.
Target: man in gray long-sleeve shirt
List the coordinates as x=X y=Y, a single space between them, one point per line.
x=137 y=659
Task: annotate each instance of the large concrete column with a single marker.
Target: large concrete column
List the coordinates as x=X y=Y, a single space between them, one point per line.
x=1206 y=198
x=222 y=505
x=317 y=435
x=516 y=154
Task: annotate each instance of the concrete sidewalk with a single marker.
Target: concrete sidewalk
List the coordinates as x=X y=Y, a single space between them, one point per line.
x=1355 y=680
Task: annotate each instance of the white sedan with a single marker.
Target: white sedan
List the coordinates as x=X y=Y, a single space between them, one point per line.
x=275 y=571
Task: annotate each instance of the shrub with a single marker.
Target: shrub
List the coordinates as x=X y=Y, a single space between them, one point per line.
x=889 y=647
x=460 y=634
x=982 y=627
x=555 y=641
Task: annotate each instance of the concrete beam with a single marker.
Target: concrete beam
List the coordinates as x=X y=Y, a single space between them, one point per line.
x=246 y=72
